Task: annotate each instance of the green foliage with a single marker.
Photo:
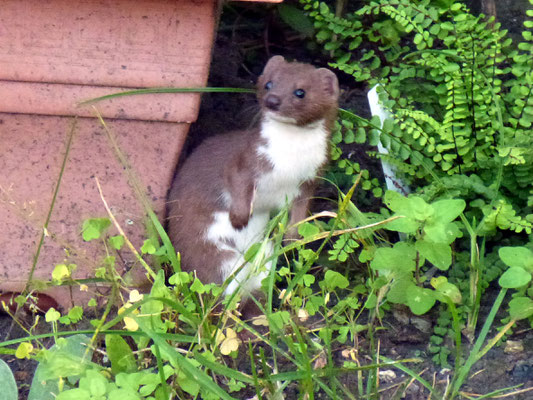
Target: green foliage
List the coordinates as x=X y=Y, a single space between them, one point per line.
x=521 y=307
x=178 y=349
x=518 y=276
x=62 y=272
x=459 y=92
x=93 y=228
x=333 y=280
x=430 y=230
x=296 y=19
x=116 y=242
x=7 y=382
x=460 y=96
x=343 y=171
x=441 y=331
x=94 y=385
x=120 y=354
x=74 y=315
x=67 y=358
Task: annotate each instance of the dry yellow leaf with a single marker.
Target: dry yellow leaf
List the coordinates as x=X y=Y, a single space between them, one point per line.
x=303 y=315
x=260 y=321
x=130 y=324
x=135 y=296
x=321 y=361
x=230 y=343
x=219 y=337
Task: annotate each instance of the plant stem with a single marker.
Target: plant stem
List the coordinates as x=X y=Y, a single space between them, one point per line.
x=107 y=310
x=475 y=281
x=52 y=204
x=456 y=324
x=148 y=269
x=417 y=268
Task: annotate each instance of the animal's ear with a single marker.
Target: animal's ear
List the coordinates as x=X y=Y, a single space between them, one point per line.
x=329 y=80
x=273 y=63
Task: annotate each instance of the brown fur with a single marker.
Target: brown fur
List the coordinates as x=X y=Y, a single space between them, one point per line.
x=219 y=162
x=320 y=86
x=229 y=163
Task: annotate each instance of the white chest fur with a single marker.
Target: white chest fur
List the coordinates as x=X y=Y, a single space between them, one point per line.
x=296 y=153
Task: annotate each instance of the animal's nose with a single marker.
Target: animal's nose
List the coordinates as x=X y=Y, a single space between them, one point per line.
x=272 y=102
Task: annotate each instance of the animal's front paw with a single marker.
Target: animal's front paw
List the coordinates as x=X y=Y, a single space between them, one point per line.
x=238 y=220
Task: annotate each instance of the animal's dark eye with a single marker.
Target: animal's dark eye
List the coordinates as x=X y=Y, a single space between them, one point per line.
x=268 y=85
x=300 y=93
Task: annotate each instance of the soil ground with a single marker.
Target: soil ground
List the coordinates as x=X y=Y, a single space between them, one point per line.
x=248 y=36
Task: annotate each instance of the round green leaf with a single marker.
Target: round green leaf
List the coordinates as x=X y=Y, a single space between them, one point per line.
x=120 y=354
x=360 y=135
x=333 y=280
x=279 y=319
x=60 y=272
x=179 y=278
x=94 y=382
x=398 y=289
x=116 y=242
x=420 y=300
x=514 y=277
x=148 y=247
x=52 y=315
x=404 y=225
x=441 y=232
x=308 y=229
x=24 y=350
x=521 y=307
x=450 y=291
x=308 y=279
x=400 y=258
x=438 y=254
x=448 y=210
x=517 y=257
x=197 y=286
x=94 y=227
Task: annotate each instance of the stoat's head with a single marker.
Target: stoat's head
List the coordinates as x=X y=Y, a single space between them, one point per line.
x=297 y=93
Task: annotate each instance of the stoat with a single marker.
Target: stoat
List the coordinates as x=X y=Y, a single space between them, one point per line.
x=222 y=197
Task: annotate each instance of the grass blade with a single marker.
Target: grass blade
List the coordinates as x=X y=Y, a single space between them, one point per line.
x=166 y=90
x=184 y=363
x=474 y=353
x=222 y=369
x=52 y=204
x=409 y=372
